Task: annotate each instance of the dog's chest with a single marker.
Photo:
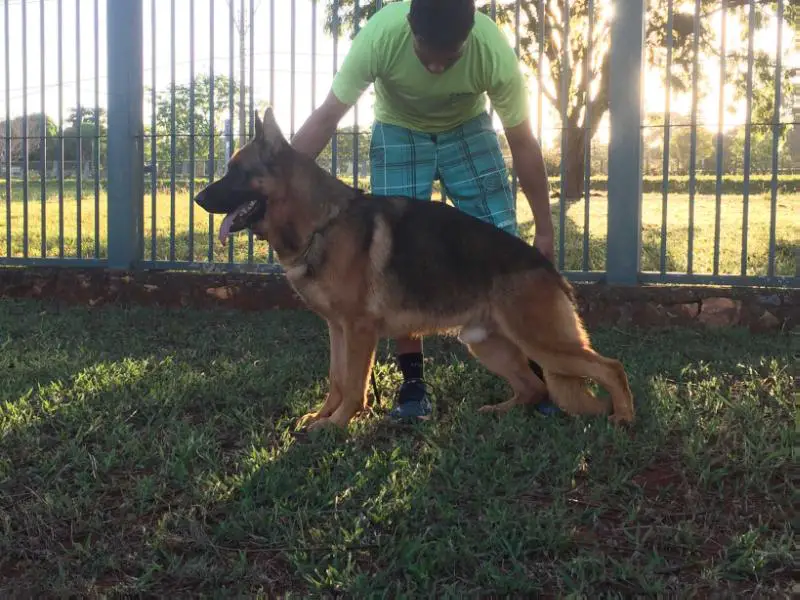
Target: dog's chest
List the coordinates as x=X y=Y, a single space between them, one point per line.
x=310 y=290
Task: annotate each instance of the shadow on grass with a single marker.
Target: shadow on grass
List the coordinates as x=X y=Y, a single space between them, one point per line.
x=153 y=451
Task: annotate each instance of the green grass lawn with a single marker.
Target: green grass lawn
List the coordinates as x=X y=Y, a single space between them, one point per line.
x=158 y=244
x=152 y=451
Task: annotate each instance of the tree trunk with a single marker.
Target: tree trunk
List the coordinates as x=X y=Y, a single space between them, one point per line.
x=574 y=163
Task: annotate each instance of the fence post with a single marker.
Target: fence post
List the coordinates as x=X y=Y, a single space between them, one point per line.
x=125 y=167
x=625 y=144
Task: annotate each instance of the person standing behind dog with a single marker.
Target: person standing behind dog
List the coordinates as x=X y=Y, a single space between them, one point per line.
x=433 y=63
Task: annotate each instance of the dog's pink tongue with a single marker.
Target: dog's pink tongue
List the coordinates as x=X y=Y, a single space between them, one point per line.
x=225 y=228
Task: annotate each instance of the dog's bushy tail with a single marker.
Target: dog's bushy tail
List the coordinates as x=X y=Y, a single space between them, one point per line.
x=573 y=396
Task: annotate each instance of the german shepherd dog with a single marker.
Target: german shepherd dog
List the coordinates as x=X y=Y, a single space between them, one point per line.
x=376 y=267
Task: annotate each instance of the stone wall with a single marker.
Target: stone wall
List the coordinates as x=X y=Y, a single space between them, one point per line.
x=759 y=309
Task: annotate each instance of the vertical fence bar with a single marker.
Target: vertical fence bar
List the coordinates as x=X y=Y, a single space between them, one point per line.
x=314 y=54
x=25 y=128
x=335 y=139
x=747 y=135
x=292 y=66
x=251 y=120
x=270 y=251
x=667 y=123
x=242 y=77
x=493 y=15
x=211 y=125
x=625 y=146
x=96 y=149
x=231 y=101
x=153 y=137
x=587 y=150
x=173 y=134
x=125 y=132
x=720 y=138
x=272 y=54
x=776 y=132
x=43 y=135
x=565 y=80
x=517 y=19
x=78 y=125
x=693 y=139
x=192 y=149
x=8 y=128
x=542 y=18
x=355 y=108
x=61 y=162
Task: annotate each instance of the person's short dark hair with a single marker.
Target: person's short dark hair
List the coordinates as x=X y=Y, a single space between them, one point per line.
x=442 y=24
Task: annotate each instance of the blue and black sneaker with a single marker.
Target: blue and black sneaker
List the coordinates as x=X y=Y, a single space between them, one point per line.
x=412 y=403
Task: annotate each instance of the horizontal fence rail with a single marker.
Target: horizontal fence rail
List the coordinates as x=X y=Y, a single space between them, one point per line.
x=670 y=134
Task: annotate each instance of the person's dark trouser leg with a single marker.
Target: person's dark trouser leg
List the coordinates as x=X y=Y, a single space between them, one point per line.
x=403 y=162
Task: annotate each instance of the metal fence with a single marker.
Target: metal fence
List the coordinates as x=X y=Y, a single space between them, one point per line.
x=670 y=130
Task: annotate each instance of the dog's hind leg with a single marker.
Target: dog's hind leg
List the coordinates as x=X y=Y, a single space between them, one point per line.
x=335 y=377
x=565 y=371
x=358 y=356
x=544 y=323
x=503 y=358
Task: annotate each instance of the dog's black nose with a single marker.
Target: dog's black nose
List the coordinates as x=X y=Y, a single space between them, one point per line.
x=217 y=198
x=201 y=198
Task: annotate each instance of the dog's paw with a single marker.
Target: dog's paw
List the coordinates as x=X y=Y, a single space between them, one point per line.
x=498 y=409
x=325 y=423
x=308 y=419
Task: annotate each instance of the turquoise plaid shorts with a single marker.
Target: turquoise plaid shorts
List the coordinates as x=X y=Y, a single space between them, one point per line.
x=467 y=160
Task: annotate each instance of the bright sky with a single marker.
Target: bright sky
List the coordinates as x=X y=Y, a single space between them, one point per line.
x=82 y=13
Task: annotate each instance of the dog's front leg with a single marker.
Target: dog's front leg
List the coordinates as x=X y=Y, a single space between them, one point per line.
x=336 y=376
x=360 y=344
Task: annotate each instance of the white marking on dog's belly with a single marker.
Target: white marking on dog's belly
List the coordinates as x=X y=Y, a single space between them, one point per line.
x=473 y=335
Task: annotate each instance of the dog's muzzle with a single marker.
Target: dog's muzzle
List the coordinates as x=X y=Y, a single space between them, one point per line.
x=241 y=208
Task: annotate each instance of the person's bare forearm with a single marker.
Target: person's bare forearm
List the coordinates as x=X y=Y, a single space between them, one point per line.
x=320 y=127
x=530 y=168
x=315 y=134
x=532 y=174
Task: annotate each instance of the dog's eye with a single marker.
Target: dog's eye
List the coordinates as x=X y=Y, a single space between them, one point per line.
x=237 y=177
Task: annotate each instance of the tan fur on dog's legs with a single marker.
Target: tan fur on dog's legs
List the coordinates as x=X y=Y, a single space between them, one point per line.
x=335 y=377
x=544 y=323
x=360 y=344
x=503 y=358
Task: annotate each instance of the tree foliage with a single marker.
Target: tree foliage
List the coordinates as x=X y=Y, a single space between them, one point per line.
x=198 y=115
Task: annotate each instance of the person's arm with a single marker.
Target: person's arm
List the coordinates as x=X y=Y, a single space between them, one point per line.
x=532 y=173
x=319 y=128
x=359 y=70
x=509 y=97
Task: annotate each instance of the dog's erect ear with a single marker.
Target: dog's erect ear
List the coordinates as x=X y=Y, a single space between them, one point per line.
x=259 y=128
x=270 y=132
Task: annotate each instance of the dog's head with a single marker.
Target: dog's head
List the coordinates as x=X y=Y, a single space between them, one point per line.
x=243 y=192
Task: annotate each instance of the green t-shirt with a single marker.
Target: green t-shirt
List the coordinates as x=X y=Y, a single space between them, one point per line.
x=408 y=95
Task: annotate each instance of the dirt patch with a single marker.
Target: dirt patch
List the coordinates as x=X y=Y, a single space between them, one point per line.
x=658 y=477
x=760 y=309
